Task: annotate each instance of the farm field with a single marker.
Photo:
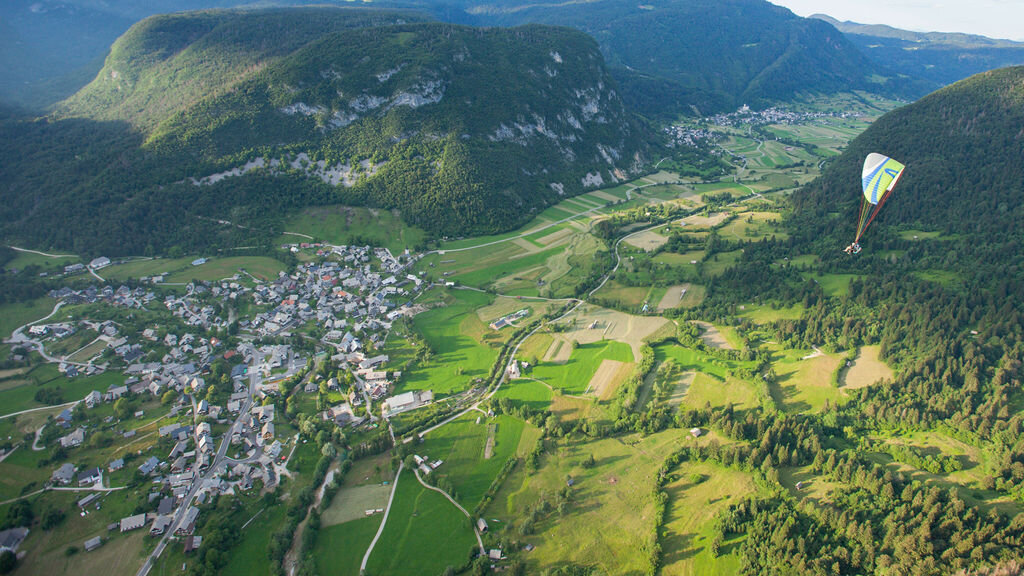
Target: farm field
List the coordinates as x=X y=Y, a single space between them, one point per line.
x=699 y=491
x=22 y=397
x=589 y=324
x=574 y=376
x=425 y=533
x=528 y=392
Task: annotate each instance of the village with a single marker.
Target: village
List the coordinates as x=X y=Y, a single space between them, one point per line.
x=211 y=392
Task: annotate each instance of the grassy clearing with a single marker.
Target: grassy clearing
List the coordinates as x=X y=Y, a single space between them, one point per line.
x=348 y=225
x=460 y=445
x=249 y=557
x=684 y=259
x=340 y=548
x=425 y=533
x=805 y=384
x=867 y=369
x=690 y=519
x=622 y=296
x=832 y=284
x=609 y=520
x=45 y=263
x=718 y=263
x=17 y=314
x=574 y=376
x=535 y=347
x=261 y=267
x=750 y=226
x=712 y=382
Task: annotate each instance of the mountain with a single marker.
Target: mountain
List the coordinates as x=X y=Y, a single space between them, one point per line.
x=729 y=52
x=938 y=57
x=246 y=115
x=677 y=54
x=964 y=179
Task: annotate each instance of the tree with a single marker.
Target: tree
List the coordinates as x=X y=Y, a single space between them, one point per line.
x=410 y=462
x=168 y=397
x=7 y=562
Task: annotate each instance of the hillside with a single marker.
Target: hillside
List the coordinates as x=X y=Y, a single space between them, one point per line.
x=964 y=176
x=938 y=57
x=735 y=51
x=463 y=130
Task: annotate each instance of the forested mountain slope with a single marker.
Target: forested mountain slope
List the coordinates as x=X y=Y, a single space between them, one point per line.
x=938 y=288
x=964 y=151
x=241 y=115
x=729 y=52
x=939 y=57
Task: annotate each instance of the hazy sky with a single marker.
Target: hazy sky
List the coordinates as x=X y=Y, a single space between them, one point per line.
x=993 y=18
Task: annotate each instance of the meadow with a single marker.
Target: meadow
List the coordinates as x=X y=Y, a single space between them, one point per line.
x=462 y=444
x=425 y=533
x=344 y=225
x=463 y=346
x=698 y=492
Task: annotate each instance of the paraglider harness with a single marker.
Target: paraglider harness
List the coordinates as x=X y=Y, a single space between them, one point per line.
x=852 y=248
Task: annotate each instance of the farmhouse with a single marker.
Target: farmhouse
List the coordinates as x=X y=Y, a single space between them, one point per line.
x=93 y=543
x=12 y=538
x=133 y=522
x=64 y=474
x=406 y=401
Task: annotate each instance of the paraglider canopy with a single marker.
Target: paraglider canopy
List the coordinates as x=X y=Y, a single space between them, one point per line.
x=878 y=178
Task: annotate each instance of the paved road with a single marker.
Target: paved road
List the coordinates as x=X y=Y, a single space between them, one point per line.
x=179 y=514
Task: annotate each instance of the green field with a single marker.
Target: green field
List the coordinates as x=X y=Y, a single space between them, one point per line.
x=261 y=267
x=804 y=385
x=147 y=267
x=526 y=392
x=340 y=548
x=45 y=263
x=690 y=519
x=16 y=314
x=425 y=533
x=763 y=314
x=249 y=557
x=832 y=284
x=457 y=337
x=574 y=376
x=22 y=397
x=344 y=225
x=608 y=521
x=461 y=446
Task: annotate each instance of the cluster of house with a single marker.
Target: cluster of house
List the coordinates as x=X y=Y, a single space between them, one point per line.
x=333 y=293
x=193 y=311
x=122 y=296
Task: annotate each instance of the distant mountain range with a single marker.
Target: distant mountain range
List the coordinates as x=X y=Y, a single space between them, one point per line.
x=244 y=115
x=938 y=57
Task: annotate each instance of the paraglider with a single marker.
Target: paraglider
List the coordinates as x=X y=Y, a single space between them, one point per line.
x=878 y=178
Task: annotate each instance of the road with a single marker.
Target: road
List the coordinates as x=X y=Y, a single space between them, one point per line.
x=42 y=253
x=387 y=511
x=179 y=514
